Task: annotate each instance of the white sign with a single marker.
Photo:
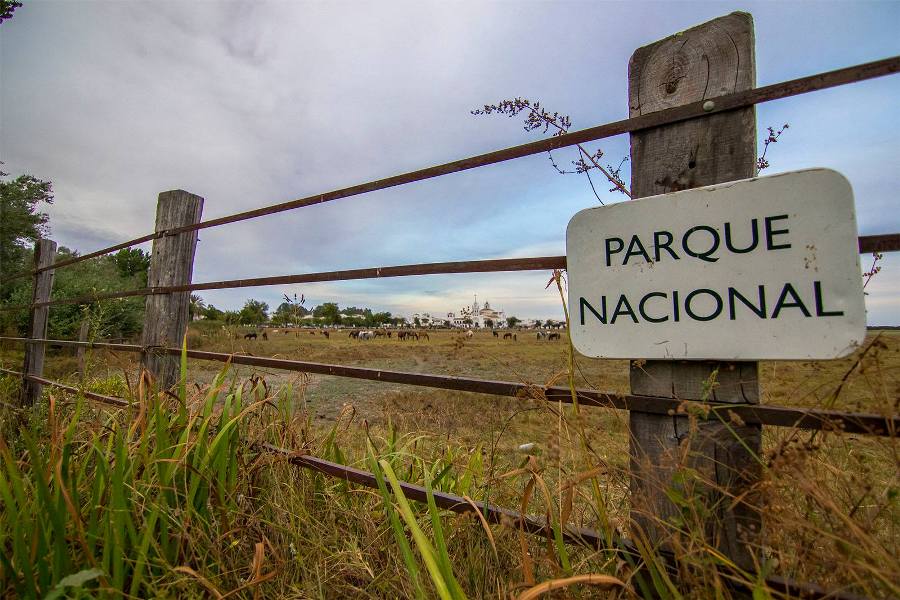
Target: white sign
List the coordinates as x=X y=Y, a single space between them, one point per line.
x=764 y=268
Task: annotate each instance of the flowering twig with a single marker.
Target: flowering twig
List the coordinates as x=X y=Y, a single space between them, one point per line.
x=761 y=162
x=873 y=270
x=539 y=118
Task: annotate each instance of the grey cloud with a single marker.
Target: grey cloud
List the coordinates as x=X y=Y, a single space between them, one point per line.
x=254 y=103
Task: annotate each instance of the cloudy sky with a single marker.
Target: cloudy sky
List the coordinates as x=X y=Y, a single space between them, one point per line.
x=254 y=103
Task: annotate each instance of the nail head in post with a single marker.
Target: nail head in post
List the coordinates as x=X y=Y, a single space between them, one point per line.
x=709 y=105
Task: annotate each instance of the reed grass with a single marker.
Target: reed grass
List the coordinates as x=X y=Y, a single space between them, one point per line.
x=172 y=497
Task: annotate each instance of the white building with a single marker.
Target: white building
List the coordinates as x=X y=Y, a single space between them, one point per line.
x=477 y=316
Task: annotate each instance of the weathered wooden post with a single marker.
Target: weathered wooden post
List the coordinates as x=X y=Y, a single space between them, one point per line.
x=44 y=255
x=709 y=60
x=171 y=263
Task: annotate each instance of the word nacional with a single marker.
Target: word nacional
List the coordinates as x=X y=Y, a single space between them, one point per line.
x=761 y=268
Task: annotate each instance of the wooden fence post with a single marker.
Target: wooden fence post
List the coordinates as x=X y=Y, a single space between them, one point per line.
x=171 y=263
x=709 y=60
x=44 y=255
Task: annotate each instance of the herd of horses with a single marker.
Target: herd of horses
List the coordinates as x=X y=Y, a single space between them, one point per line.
x=401 y=335
x=377 y=333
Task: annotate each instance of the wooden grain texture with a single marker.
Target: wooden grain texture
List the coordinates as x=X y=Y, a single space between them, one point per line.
x=171 y=263
x=710 y=60
x=44 y=254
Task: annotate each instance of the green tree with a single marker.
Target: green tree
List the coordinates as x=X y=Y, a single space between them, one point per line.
x=417 y=322
x=133 y=261
x=115 y=318
x=196 y=306
x=329 y=313
x=537 y=322
x=513 y=321
x=211 y=313
x=254 y=312
x=381 y=318
x=21 y=224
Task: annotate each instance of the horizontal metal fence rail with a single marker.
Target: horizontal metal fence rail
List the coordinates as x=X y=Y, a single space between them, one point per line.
x=541 y=263
x=780 y=416
x=492 y=513
x=694 y=110
x=867 y=243
x=111 y=400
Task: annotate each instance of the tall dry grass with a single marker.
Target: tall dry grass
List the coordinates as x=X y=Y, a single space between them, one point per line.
x=172 y=497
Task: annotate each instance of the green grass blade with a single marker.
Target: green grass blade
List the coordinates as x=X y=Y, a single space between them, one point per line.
x=399 y=535
x=426 y=550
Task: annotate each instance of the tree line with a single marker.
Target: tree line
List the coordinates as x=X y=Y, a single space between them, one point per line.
x=292 y=314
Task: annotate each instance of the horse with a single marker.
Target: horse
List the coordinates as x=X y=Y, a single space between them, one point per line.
x=354 y=335
x=250 y=336
x=554 y=336
x=265 y=336
x=326 y=334
x=470 y=334
x=507 y=336
x=496 y=335
x=425 y=335
x=541 y=335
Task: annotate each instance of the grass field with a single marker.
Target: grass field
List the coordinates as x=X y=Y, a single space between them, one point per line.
x=830 y=501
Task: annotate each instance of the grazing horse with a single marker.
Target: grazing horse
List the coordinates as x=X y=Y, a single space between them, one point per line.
x=554 y=336
x=389 y=334
x=507 y=336
x=496 y=335
x=470 y=334
x=265 y=336
x=326 y=334
x=312 y=333
x=425 y=335
x=354 y=335
x=541 y=335
x=250 y=336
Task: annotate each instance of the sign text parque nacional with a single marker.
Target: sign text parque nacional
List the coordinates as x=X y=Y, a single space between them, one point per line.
x=764 y=268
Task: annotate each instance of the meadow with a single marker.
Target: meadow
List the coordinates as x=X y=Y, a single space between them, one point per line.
x=224 y=518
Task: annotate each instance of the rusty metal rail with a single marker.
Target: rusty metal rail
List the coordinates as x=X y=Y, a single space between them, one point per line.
x=111 y=400
x=780 y=416
x=540 y=263
x=867 y=243
x=677 y=114
x=492 y=513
